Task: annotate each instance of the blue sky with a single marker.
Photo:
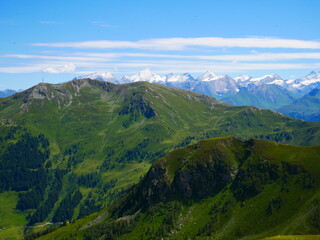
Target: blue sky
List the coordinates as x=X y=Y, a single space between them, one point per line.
x=58 y=40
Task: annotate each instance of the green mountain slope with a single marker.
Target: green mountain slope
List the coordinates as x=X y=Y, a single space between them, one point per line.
x=220 y=188
x=306 y=108
x=91 y=140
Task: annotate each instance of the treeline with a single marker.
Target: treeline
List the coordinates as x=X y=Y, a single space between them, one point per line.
x=65 y=210
x=20 y=179
x=21 y=164
x=35 y=235
x=140 y=153
x=29 y=152
x=110 y=230
x=257 y=173
x=135 y=106
x=149 y=230
x=43 y=211
x=88 y=206
x=90 y=180
x=32 y=198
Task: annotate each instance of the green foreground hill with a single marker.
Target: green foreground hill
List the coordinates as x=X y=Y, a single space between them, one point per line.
x=220 y=188
x=67 y=150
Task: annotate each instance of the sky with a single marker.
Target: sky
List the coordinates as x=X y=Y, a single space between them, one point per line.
x=55 y=41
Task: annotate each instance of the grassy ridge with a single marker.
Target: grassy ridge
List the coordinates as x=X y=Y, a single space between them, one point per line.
x=267 y=189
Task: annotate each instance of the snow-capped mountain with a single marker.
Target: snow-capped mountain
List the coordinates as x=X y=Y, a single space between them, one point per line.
x=104 y=76
x=208 y=76
x=242 y=78
x=304 y=85
x=184 y=81
x=267 y=79
x=311 y=78
x=216 y=86
x=171 y=77
x=145 y=75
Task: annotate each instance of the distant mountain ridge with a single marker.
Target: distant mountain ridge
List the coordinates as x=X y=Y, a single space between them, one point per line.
x=269 y=91
x=307 y=107
x=7 y=93
x=218 y=85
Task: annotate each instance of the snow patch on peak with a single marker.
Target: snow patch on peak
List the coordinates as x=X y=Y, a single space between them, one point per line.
x=103 y=76
x=145 y=75
x=270 y=76
x=208 y=76
x=242 y=78
x=311 y=74
x=279 y=82
x=179 y=78
x=268 y=79
x=311 y=78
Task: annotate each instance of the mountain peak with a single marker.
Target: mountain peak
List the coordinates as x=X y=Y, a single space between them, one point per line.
x=242 y=78
x=146 y=74
x=208 y=76
x=209 y=73
x=98 y=76
x=103 y=76
x=276 y=76
x=179 y=78
x=187 y=74
x=312 y=73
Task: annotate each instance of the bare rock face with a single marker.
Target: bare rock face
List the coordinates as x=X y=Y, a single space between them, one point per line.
x=56 y=94
x=77 y=85
x=40 y=92
x=204 y=180
x=61 y=94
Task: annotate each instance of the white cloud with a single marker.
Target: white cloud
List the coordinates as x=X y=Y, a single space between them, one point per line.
x=20 y=69
x=62 y=62
x=70 y=57
x=184 y=43
x=260 y=57
x=163 y=67
x=66 y=68
x=103 y=57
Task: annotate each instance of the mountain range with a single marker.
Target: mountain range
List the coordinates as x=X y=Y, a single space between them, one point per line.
x=68 y=150
x=215 y=85
x=269 y=91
